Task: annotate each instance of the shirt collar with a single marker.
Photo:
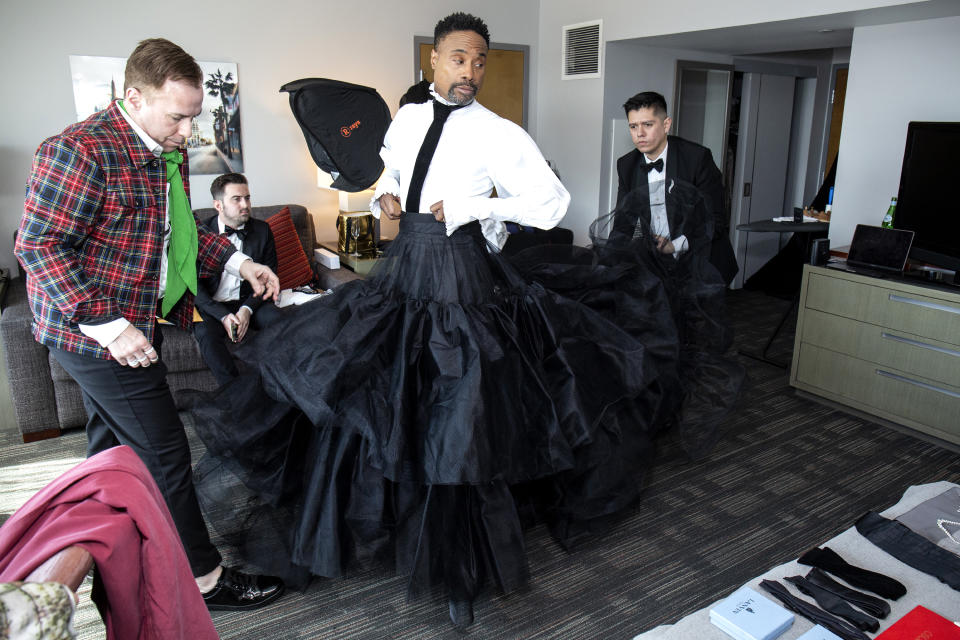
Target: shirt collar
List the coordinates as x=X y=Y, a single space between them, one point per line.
x=442 y=100
x=223 y=226
x=155 y=147
x=663 y=154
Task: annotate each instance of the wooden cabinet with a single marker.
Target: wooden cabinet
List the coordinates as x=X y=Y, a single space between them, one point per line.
x=890 y=348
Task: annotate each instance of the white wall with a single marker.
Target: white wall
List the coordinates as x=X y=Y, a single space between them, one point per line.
x=630 y=67
x=571 y=118
x=368 y=42
x=898 y=73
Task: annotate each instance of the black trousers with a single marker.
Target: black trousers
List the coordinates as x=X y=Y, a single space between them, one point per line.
x=134 y=407
x=212 y=338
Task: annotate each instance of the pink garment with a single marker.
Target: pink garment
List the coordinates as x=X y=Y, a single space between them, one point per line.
x=110 y=506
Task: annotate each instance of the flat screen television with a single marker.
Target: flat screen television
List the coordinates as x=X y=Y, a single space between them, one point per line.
x=928 y=202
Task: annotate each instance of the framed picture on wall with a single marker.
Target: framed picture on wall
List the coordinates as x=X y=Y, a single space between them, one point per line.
x=214 y=146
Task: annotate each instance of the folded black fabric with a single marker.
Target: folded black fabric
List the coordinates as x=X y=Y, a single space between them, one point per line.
x=876 y=607
x=911 y=548
x=812 y=613
x=829 y=560
x=834 y=604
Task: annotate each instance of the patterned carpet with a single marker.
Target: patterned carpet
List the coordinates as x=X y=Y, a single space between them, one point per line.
x=788 y=473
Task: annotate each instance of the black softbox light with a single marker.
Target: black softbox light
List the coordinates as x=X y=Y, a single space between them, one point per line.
x=344 y=125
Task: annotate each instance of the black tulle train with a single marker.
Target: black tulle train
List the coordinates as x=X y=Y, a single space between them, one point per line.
x=422 y=417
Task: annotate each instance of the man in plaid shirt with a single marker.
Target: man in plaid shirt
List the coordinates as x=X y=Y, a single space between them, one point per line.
x=101 y=245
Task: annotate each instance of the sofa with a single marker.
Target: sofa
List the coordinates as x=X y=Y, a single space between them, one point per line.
x=47 y=401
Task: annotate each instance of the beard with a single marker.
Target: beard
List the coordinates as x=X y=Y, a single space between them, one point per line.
x=455 y=98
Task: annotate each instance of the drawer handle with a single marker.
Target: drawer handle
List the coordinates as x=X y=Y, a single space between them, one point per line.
x=925 y=303
x=925 y=385
x=917 y=343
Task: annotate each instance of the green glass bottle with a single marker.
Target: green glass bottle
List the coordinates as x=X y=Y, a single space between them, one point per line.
x=891 y=210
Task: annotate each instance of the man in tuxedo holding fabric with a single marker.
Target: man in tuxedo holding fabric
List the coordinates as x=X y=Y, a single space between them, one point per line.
x=227 y=304
x=658 y=160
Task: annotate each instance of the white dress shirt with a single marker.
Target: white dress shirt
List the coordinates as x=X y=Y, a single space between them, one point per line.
x=477 y=152
x=107 y=332
x=229 y=288
x=659 y=224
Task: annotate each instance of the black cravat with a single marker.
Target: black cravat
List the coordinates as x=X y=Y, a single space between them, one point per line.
x=910 y=548
x=874 y=606
x=429 y=146
x=812 y=613
x=647 y=166
x=241 y=233
x=833 y=603
x=829 y=560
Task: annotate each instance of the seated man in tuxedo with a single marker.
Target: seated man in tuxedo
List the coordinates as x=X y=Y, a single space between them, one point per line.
x=227 y=304
x=658 y=161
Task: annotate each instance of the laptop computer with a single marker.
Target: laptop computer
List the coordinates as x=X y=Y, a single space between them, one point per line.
x=879 y=251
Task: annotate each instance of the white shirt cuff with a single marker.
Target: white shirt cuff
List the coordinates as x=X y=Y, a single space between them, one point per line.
x=384 y=186
x=233 y=264
x=458 y=212
x=680 y=245
x=107 y=332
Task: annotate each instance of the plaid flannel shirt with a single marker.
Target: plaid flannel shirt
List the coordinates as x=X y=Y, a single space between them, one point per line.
x=91 y=237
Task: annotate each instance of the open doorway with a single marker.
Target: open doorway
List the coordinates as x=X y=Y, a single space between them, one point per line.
x=775 y=148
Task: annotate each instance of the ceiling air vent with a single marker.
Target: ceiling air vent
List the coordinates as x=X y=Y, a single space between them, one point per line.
x=581 y=50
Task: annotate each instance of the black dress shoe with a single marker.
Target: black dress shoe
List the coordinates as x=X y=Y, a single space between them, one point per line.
x=236 y=591
x=461 y=613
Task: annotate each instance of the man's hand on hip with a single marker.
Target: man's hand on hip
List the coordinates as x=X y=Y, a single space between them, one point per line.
x=390 y=206
x=263 y=280
x=437 y=210
x=132 y=349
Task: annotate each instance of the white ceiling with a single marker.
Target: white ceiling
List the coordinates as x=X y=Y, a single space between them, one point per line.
x=818 y=32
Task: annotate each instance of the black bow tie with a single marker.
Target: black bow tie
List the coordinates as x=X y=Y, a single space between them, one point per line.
x=241 y=233
x=647 y=166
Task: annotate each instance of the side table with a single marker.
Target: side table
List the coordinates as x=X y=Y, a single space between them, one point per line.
x=773 y=226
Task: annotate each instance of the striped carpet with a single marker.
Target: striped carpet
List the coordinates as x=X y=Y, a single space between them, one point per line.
x=788 y=473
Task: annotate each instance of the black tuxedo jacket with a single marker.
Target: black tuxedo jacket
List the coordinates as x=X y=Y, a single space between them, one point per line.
x=693 y=163
x=258 y=244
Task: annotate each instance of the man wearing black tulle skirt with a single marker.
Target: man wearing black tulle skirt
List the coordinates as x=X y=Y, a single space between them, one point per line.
x=427 y=413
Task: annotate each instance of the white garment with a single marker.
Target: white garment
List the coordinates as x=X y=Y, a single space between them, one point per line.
x=107 y=332
x=659 y=224
x=477 y=152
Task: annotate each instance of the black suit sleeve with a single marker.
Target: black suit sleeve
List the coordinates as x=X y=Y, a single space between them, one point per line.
x=206 y=303
x=624 y=178
x=206 y=287
x=265 y=252
x=710 y=183
x=695 y=227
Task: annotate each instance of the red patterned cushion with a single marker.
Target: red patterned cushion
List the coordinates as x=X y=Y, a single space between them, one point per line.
x=293 y=267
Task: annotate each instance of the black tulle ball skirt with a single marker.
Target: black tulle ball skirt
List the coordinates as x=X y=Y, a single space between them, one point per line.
x=623 y=276
x=420 y=418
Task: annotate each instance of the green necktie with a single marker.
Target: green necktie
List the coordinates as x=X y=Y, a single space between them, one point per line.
x=182 y=254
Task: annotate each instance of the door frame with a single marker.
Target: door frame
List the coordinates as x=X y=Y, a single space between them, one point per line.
x=828 y=121
x=680 y=66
